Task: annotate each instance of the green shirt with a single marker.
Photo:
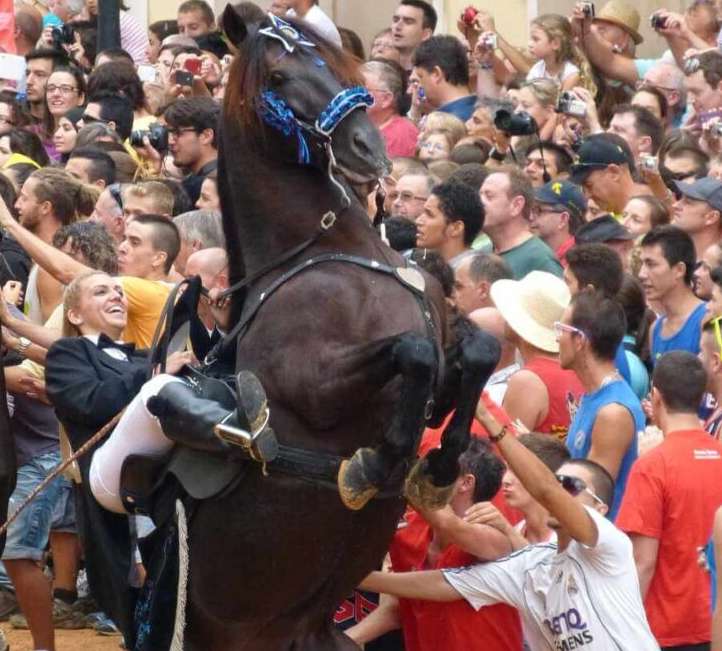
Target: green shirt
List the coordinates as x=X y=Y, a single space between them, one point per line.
x=532 y=255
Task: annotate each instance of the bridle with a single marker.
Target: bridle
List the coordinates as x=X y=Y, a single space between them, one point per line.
x=275 y=112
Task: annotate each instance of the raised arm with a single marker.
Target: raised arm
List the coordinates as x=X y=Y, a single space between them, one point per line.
x=601 y=53
x=541 y=483
x=58 y=264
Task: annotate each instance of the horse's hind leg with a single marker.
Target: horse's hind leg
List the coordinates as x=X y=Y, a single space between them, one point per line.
x=360 y=478
x=431 y=481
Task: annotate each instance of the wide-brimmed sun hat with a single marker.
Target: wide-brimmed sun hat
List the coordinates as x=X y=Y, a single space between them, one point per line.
x=621 y=14
x=532 y=305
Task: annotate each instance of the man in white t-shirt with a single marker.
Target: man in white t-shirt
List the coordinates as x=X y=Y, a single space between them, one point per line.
x=580 y=593
x=309 y=11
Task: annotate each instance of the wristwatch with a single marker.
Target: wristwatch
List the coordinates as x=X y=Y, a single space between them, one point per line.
x=23 y=345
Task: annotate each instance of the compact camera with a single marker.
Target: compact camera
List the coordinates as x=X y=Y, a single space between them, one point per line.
x=489 y=41
x=588 y=9
x=63 y=35
x=648 y=162
x=657 y=21
x=569 y=104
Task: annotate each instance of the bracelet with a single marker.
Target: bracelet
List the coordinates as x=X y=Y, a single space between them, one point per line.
x=485 y=66
x=495 y=438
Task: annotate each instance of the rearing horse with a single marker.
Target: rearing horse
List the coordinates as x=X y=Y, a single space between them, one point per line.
x=345 y=339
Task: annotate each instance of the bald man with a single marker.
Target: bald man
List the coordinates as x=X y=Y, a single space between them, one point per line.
x=212 y=266
x=489 y=320
x=28 y=28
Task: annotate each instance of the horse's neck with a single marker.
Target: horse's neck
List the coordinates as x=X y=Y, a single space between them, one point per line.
x=276 y=208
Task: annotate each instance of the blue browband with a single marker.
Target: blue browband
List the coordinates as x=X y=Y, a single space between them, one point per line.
x=276 y=113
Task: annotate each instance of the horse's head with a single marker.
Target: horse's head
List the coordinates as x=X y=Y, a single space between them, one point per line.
x=289 y=79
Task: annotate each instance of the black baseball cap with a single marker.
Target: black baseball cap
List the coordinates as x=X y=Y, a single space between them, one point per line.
x=597 y=153
x=602 y=229
x=563 y=194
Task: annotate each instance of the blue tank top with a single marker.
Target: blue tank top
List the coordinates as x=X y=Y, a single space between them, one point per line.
x=579 y=439
x=686 y=338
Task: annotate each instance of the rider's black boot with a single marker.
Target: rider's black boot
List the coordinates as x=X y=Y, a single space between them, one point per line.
x=189 y=419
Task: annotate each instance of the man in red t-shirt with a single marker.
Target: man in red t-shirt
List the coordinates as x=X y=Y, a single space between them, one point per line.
x=669 y=505
x=384 y=81
x=442 y=539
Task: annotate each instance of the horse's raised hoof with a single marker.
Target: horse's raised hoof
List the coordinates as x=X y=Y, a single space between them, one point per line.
x=420 y=491
x=354 y=486
x=252 y=402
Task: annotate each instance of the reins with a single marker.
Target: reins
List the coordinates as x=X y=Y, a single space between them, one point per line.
x=58 y=470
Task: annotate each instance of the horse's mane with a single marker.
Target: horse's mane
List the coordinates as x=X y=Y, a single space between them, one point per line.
x=249 y=71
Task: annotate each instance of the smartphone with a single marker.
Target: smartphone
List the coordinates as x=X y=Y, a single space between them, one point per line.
x=193 y=66
x=183 y=78
x=147 y=73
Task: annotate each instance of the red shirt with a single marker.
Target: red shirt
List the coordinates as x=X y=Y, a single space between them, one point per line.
x=564 y=389
x=672 y=494
x=449 y=626
x=561 y=252
x=401 y=137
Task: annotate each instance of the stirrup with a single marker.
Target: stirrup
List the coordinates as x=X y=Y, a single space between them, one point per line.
x=261 y=444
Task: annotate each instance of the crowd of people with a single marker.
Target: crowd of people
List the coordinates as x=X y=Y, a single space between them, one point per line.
x=566 y=194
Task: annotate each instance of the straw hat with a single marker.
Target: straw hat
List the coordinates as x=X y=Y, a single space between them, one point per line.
x=531 y=306
x=619 y=13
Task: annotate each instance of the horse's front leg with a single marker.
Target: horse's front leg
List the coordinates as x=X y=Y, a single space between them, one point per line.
x=431 y=481
x=369 y=469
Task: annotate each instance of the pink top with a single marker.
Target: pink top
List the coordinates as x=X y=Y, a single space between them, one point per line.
x=401 y=136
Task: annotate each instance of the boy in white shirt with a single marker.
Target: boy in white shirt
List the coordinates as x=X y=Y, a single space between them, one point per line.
x=580 y=593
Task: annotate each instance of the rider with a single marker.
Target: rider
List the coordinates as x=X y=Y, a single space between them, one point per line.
x=90 y=377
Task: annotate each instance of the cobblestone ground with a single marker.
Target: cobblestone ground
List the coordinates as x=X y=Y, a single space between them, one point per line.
x=82 y=640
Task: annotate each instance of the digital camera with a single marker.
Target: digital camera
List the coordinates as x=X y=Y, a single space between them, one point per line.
x=588 y=9
x=63 y=35
x=569 y=104
x=657 y=21
x=489 y=41
x=515 y=124
x=157 y=135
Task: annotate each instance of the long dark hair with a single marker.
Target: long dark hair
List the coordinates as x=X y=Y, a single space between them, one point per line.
x=639 y=317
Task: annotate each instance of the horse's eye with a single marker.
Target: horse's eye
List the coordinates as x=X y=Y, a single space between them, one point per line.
x=277 y=78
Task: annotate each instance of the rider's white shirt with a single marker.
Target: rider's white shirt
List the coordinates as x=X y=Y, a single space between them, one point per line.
x=582 y=598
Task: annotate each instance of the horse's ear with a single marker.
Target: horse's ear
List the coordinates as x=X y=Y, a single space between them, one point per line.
x=233 y=26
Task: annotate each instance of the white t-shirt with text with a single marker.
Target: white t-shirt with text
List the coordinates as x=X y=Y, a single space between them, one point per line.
x=585 y=598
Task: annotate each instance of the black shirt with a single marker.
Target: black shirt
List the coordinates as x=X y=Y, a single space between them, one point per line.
x=192 y=183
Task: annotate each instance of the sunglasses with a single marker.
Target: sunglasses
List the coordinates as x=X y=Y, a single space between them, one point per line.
x=561 y=328
x=575 y=486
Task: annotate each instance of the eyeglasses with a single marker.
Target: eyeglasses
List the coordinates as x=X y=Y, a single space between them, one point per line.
x=409 y=196
x=115 y=192
x=574 y=486
x=63 y=89
x=561 y=328
x=175 y=132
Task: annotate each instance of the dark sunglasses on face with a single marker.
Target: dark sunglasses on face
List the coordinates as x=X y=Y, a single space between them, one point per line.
x=574 y=486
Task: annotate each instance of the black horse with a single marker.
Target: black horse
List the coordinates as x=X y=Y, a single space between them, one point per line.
x=346 y=340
